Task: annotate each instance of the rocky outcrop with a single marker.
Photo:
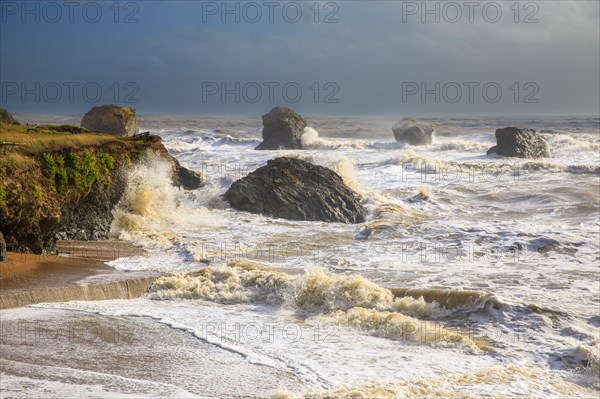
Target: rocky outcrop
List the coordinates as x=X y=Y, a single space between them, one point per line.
x=3 y=255
x=69 y=192
x=293 y=189
x=7 y=118
x=111 y=119
x=521 y=143
x=282 y=128
x=413 y=132
x=90 y=218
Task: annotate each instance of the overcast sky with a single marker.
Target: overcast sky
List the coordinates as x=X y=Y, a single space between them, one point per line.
x=346 y=57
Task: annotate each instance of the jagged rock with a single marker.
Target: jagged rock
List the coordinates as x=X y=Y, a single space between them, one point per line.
x=521 y=143
x=3 y=254
x=293 y=189
x=188 y=179
x=282 y=128
x=7 y=118
x=91 y=217
x=413 y=132
x=111 y=119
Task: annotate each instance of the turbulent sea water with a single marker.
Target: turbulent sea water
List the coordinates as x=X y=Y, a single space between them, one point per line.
x=473 y=276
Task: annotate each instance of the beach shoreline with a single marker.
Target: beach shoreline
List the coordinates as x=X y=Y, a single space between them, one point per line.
x=80 y=273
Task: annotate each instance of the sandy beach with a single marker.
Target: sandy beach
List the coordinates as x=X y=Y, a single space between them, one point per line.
x=79 y=273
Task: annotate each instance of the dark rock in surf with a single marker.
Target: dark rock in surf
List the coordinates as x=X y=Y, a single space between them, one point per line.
x=521 y=143
x=186 y=178
x=413 y=132
x=282 y=128
x=293 y=189
x=7 y=118
x=543 y=245
x=3 y=254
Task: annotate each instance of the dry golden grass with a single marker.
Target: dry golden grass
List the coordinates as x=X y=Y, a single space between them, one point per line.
x=16 y=158
x=33 y=143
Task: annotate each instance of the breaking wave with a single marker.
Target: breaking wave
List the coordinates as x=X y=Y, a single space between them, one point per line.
x=151 y=203
x=505 y=381
x=425 y=164
x=310 y=140
x=352 y=300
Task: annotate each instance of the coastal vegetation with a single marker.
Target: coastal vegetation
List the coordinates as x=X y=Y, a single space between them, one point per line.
x=49 y=172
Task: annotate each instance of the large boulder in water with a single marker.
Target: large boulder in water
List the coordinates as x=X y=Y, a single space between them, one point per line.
x=413 y=132
x=7 y=118
x=111 y=119
x=188 y=179
x=3 y=255
x=282 y=128
x=290 y=188
x=521 y=143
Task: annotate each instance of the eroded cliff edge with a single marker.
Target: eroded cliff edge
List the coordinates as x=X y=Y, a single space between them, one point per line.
x=58 y=185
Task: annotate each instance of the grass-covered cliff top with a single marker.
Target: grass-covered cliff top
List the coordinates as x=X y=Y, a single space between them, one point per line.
x=28 y=141
x=43 y=169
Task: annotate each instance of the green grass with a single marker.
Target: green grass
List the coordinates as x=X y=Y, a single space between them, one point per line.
x=57 y=129
x=78 y=172
x=37 y=193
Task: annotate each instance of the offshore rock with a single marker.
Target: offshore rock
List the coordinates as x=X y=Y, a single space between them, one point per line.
x=290 y=188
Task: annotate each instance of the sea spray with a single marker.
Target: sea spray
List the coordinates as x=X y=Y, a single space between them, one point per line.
x=150 y=191
x=339 y=164
x=151 y=205
x=310 y=140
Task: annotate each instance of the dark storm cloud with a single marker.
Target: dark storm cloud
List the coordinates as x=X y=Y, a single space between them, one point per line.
x=379 y=57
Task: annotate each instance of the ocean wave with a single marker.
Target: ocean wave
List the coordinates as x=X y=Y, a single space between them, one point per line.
x=231 y=140
x=179 y=140
x=512 y=381
x=432 y=165
x=453 y=300
x=310 y=140
x=463 y=145
x=352 y=300
x=389 y=216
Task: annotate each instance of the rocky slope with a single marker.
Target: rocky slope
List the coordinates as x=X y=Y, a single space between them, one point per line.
x=7 y=118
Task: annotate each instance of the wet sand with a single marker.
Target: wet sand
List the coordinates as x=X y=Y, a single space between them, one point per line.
x=79 y=273
x=51 y=353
